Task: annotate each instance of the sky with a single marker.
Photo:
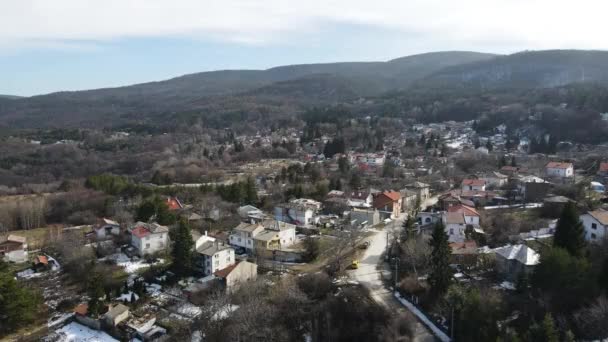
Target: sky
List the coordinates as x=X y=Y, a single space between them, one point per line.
x=56 y=45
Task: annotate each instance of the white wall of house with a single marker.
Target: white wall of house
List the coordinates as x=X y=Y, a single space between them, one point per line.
x=287 y=237
x=455 y=232
x=289 y=215
x=594 y=230
x=219 y=260
x=244 y=239
x=474 y=220
x=473 y=187
x=560 y=172
x=17 y=256
x=151 y=243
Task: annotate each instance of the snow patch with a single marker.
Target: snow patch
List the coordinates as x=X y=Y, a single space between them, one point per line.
x=75 y=332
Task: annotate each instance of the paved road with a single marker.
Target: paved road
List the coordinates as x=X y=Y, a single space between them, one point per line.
x=369 y=276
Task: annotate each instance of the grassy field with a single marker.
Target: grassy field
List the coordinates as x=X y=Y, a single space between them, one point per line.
x=36 y=238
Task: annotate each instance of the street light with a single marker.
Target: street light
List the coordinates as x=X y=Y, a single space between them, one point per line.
x=396 y=261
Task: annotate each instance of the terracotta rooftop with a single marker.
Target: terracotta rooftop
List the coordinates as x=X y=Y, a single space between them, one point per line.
x=600 y=215
x=466 y=210
x=558 y=165
x=223 y=273
x=474 y=182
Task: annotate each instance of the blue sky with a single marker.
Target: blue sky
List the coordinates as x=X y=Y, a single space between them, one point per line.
x=48 y=46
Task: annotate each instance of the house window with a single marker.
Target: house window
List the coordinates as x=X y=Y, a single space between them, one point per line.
x=593 y=236
x=239 y=239
x=249 y=242
x=228 y=259
x=451 y=231
x=593 y=226
x=161 y=244
x=147 y=245
x=148 y=237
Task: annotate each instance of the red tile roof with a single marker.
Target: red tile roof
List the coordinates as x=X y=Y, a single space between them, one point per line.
x=223 y=273
x=386 y=198
x=474 y=182
x=140 y=231
x=558 y=165
x=42 y=259
x=174 y=204
x=466 y=210
x=81 y=309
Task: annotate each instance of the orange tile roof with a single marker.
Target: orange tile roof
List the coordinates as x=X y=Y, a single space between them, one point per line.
x=474 y=182
x=173 y=203
x=465 y=209
x=223 y=273
x=559 y=165
x=42 y=259
x=81 y=309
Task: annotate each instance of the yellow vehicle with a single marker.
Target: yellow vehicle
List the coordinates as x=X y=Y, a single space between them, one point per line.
x=355 y=264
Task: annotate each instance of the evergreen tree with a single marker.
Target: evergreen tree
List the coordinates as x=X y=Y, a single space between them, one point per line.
x=603 y=277
x=181 y=250
x=408 y=228
x=95 y=293
x=440 y=276
x=569 y=232
x=19 y=305
x=251 y=194
x=355 y=181
x=502 y=161
x=513 y=161
x=489 y=146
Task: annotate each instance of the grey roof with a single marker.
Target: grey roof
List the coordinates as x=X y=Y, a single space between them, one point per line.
x=209 y=248
x=275 y=225
x=522 y=253
x=247 y=227
x=266 y=235
x=116 y=310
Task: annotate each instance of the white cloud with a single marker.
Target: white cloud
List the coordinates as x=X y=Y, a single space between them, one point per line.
x=468 y=23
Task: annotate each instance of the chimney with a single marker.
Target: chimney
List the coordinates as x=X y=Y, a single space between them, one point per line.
x=205 y=233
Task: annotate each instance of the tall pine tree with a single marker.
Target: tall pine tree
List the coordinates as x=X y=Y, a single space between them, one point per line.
x=569 y=232
x=440 y=276
x=181 y=250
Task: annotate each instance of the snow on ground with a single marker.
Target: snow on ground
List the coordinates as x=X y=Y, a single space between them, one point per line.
x=224 y=312
x=28 y=274
x=58 y=319
x=75 y=332
x=188 y=309
x=126 y=297
x=130 y=266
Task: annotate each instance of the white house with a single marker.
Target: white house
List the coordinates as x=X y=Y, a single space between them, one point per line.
x=286 y=231
x=360 y=199
x=473 y=185
x=244 y=234
x=596 y=225
x=371 y=159
x=496 y=179
x=149 y=238
x=214 y=256
x=561 y=170
x=597 y=187
x=14 y=249
x=471 y=216
x=106 y=228
x=300 y=212
x=455 y=226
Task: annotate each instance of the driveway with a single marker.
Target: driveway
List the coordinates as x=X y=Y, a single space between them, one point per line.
x=368 y=275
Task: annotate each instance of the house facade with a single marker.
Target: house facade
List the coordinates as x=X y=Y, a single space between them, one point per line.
x=107 y=228
x=149 y=238
x=455 y=226
x=360 y=199
x=473 y=185
x=301 y=212
x=14 y=249
x=286 y=232
x=471 y=216
x=388 y=203
x=559 y=170
x=512 y=260
x=422 y=190
x=214 y=256
x=237 y=274
x=243 y=235
x=596 y=225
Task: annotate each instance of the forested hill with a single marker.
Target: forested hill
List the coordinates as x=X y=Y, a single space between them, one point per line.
x=219 y=97
x=190 y=92
x=533 y=69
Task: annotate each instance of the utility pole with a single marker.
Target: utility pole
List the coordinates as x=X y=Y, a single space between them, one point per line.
x=397 y=261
